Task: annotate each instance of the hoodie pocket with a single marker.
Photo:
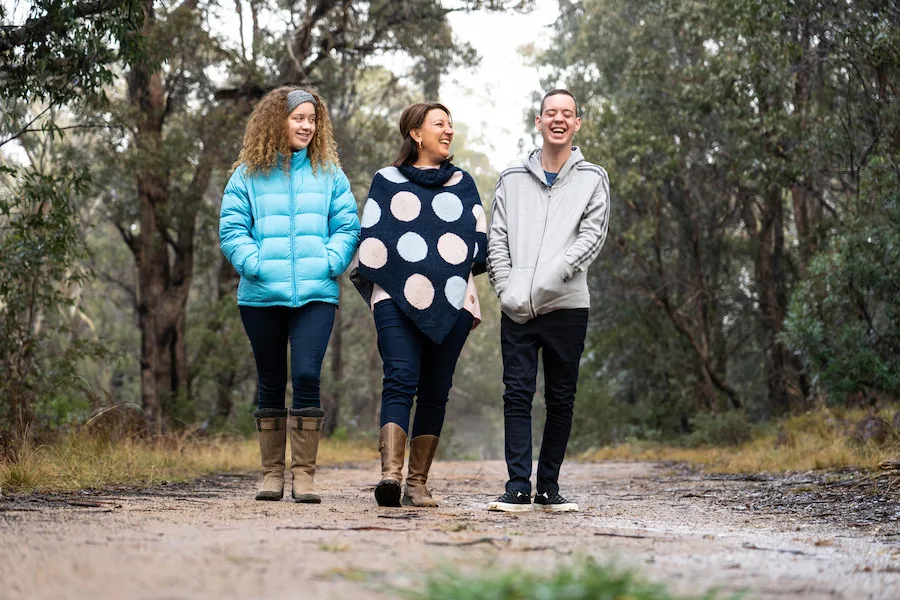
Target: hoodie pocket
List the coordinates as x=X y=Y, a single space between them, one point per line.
x=516 y=294
x=549 y=282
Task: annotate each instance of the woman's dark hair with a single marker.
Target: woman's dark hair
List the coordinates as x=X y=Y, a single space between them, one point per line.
x=412 y=118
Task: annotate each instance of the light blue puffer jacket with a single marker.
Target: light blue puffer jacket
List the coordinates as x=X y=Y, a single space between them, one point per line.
x=288 y=235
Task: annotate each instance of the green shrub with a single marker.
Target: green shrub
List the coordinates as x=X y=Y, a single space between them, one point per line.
x=844 y=320
x=584 y=581
x=723 y=429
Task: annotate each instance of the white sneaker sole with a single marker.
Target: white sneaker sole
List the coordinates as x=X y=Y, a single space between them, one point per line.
x=508 y=507
x=567 y=507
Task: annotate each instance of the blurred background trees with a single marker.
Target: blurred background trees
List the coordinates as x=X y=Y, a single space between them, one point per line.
x=753 y=146
x=751 y=269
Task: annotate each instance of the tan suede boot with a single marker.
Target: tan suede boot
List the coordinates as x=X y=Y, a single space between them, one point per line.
x=272 y=427
x=421 y=453
x=306 y=426
x=392 y=445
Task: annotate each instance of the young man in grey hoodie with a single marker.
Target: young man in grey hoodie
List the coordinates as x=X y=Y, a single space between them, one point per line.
x=548 y=223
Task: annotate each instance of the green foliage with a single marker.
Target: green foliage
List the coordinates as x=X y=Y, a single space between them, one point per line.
x=585 y=580
x=65 y=49
x=40 y=249
x=844 y=320
x=730 y=131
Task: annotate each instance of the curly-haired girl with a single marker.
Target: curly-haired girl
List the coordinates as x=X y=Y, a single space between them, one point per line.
x=288 y=225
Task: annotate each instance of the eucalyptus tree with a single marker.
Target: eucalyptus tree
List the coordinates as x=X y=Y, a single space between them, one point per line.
x=734 y=134
x=55 y=59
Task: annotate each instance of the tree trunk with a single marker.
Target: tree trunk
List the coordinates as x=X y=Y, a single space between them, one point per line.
x=772 y=294
x=226 y=280
x=164 y=246
x=158 y=334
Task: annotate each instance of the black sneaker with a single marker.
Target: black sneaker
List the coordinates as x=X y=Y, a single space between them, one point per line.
x=553 y=502
x=512 y=502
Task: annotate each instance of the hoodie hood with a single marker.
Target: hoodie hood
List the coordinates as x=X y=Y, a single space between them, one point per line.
x=533 y=164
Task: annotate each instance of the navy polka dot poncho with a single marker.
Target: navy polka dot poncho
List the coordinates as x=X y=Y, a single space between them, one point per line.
x=423 y=231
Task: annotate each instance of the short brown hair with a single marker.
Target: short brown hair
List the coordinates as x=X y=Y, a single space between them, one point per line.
x=558 y=92
x=412 y=118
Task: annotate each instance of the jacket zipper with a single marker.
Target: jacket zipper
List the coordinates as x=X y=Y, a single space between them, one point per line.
x=293 y=262
x=540 y=249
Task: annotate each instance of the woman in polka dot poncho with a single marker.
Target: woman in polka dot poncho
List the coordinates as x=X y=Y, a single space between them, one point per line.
x=423 y=239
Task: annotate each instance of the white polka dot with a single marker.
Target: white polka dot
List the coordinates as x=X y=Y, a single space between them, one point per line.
x=418 y=291
x=373 y=253
x=454 y=179
x=393 y=175
x=371 y=214
x=412 y=247
x=455 y=291
x=475 y=253
x=447 y=206
x=452 y=248
x=405 y=206
x=480 y=218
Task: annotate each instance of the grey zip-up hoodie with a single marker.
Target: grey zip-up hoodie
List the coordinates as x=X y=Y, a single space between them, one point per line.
x=544 y=237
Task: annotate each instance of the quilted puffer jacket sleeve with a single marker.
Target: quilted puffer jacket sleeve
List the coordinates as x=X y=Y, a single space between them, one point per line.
x=236 y=226
x=343 y=225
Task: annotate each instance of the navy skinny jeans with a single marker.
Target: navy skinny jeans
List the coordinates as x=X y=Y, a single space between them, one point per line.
x=414 y=366
x=308 y=329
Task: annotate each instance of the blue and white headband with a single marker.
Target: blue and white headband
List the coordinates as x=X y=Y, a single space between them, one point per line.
x=298 y=97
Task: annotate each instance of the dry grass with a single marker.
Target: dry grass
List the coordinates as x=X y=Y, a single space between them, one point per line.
x=90 y=463
x=817 y=440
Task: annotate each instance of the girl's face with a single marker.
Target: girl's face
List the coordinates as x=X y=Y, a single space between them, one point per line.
x=301 y=126
x=436 y=133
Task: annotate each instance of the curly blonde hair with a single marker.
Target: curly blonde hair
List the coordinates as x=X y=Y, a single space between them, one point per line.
x=266 y=135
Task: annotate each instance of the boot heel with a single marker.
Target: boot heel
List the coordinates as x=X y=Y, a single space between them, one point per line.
x=392 y=446
x=387 y=493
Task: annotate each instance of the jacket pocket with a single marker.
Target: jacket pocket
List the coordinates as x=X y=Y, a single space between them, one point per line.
x=329 y=260
x=516 y=295
x=251 y=267
x=549 y=282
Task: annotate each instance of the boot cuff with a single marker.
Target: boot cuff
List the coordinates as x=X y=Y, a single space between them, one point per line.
x=310 y=411
x=267 y=413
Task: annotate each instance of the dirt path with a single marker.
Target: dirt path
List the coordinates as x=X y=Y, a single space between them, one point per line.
x=776 y=538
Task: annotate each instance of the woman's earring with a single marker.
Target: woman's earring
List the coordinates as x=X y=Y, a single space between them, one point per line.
x=420 y=144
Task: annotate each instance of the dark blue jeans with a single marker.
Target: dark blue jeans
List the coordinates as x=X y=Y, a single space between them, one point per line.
x=308 y=329
x=416 y=366
x=559 y=335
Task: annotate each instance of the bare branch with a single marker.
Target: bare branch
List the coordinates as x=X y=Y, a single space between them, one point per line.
x=127 y=288
x=128 y=238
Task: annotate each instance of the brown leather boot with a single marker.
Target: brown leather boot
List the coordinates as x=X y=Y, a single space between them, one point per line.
x=392 y=445
x=421 y=453
x=272 y=427
x=305 y=425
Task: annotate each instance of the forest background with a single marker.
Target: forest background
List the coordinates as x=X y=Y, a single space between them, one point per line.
x=752 y=270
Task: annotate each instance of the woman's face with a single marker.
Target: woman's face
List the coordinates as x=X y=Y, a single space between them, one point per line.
x=436 y=133
x=301 y=126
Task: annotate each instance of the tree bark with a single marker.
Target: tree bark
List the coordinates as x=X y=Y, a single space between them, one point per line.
x=771 y=286
x=164 y=245
x=226 y=280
